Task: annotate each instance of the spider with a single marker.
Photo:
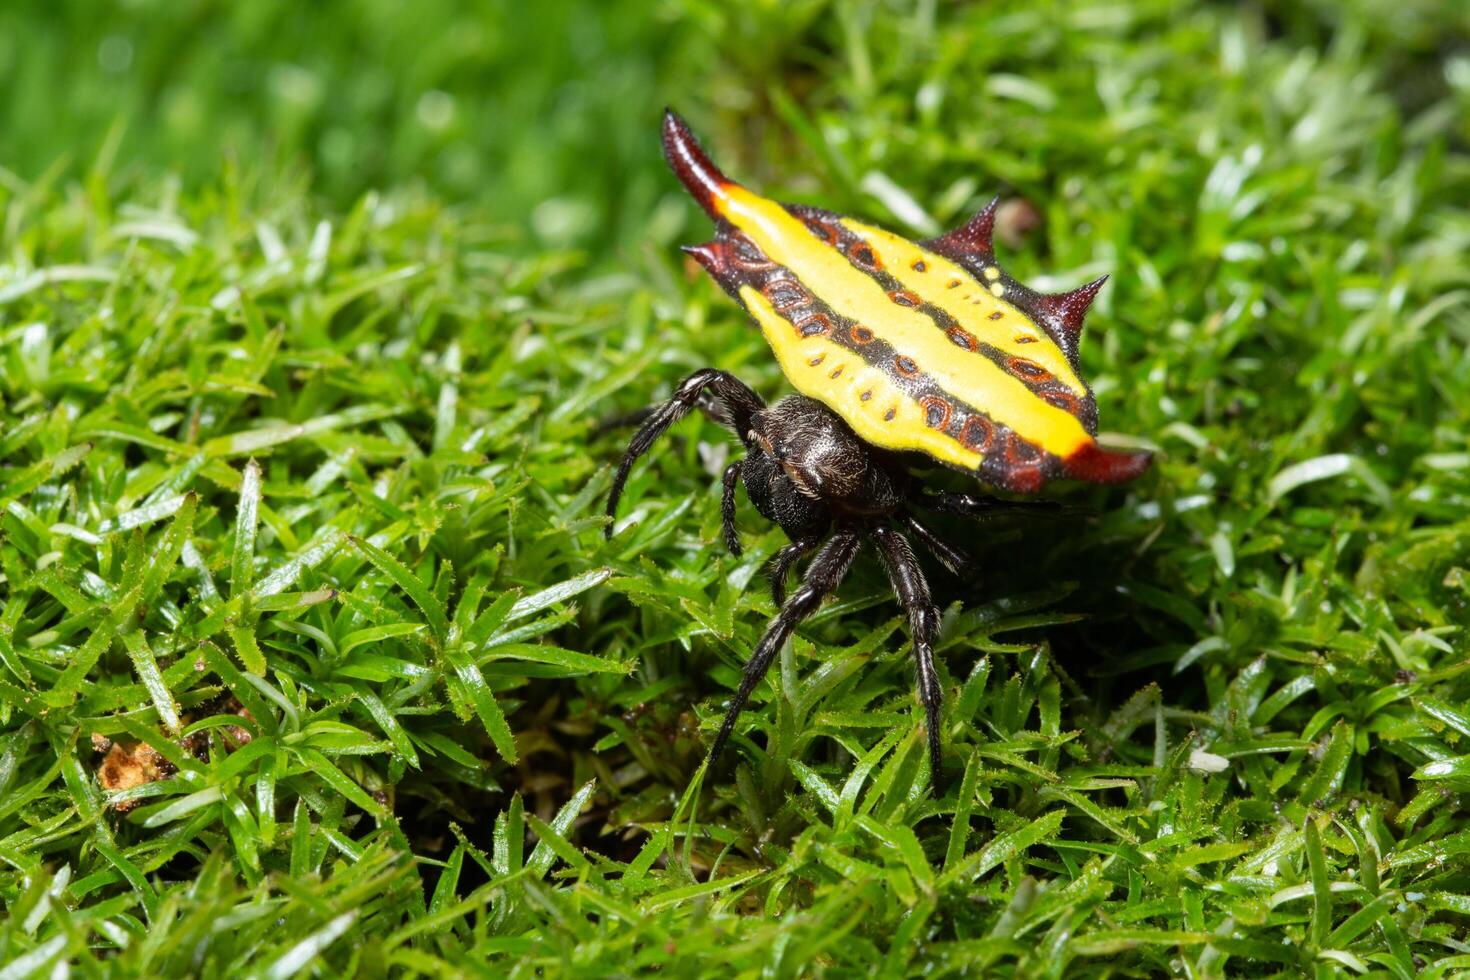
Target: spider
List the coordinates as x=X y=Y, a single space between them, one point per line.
x=895 y=348
x=807 y=471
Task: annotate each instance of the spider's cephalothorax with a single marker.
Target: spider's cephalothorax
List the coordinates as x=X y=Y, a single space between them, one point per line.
x=895 y=347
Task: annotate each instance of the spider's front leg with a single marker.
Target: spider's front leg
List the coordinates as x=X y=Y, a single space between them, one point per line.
x=781 y=564
x=733 y=406
x=913 y=592
x=822 y=578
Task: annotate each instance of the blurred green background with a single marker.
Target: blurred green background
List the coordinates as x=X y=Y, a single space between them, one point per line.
x=541 y=113
x=545 y=114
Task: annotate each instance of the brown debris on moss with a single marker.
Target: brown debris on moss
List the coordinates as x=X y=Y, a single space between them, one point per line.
x=126 y=766
x=127 y=763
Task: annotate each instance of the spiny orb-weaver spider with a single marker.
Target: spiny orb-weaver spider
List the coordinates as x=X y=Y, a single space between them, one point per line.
x=895 y=347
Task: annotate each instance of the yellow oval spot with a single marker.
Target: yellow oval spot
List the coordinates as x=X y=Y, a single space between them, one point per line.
x=997 y=290
x=992 y=273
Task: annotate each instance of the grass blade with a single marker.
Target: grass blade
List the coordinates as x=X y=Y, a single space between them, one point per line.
x=411 y=584
x=242 y=557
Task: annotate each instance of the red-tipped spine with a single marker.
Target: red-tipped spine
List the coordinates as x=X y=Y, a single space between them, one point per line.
x=711 y=255
x=703 y=179
x=973 y=239
x=1098 y=465
x=1062 y=313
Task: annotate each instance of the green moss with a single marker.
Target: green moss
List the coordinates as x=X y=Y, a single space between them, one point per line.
x=320 y=444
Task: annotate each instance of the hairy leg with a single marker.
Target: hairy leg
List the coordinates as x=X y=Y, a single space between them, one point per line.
x=734 y=405
x=824 y=575
x=978 y=505
x=781 y=564
x=913 y=592
x=706 y=403
x=981 y=508
x=727 y=508
x=949 y=556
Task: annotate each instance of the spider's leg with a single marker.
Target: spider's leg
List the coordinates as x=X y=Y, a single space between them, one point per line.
x=623 y=420
x=727 y=508
x=710 y=406
x=737 y=403
x=949 y=556
x=826 y=571
x=727 y=400
x=782 y=562
x=980 y=507
x=913 y=592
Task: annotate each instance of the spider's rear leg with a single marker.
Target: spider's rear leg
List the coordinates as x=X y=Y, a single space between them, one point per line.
x=981 y=508
x=951 y=557
x=733 y=406
x=913 y=592
x=822 y=578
